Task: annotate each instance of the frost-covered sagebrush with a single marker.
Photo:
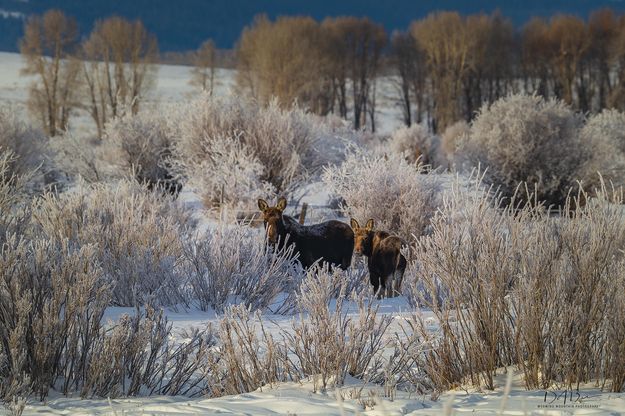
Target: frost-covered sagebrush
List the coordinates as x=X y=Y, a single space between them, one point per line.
x=525 y=139
x=522 y=287
x=232 y=149
x=138 y=235
x=139 y=145
x=417 y=143
x=398 y=195
x=27 y=144
x=233 y=264
x=605 y=132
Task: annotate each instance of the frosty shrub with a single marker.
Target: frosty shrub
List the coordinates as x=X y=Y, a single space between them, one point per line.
x=249 y=356
x=140 y=145
x=452 y=136
x=14 y=196
x=328 y=344
x=231 y=264
x=231 y=176
x=53 y=297
x=522 y=287
x=138 y=356
x=82 y=158
x=138 y=234
x=231 y=148
x=27 y=144
x=526 y=139
x=398 y=195
x=605 y=132
x=416 y=143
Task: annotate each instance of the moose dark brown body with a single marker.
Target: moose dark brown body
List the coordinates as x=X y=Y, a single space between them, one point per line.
x=330 y=241
x=384 y=259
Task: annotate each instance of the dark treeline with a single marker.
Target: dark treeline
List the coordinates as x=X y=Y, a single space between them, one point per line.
x=446 y=65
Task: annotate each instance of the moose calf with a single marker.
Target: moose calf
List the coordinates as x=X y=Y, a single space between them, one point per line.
x=384 y=259
x=330 y=241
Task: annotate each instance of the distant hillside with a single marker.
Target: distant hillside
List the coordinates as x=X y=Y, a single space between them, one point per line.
x=184 y=24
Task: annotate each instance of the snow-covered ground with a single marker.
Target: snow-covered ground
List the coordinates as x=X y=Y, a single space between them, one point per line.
x=298 y=398
x=355 y=397
x=172 y=86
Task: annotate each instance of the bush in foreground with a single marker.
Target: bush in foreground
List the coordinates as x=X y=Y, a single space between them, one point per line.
x=525 y=288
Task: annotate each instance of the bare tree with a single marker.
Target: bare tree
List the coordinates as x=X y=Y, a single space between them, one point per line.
x=447 y=57
x=47 y=46
x=359 y=41
x=281 y=59
x=617 y=60
x=204 y=70
x=118 y=68
x=409 y=61
x=569 y=34
x=536 y=52
x=489 y=73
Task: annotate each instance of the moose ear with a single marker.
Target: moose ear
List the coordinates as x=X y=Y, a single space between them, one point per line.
x=369 y=225
x=354 y=224
x=281 y=204
x=262 y=205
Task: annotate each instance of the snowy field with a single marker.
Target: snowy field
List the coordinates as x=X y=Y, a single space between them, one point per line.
x=354 y=397
x=172 y=86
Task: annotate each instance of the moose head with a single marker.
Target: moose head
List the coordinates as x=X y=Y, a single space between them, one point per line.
x=363 y=237
x=272 y=217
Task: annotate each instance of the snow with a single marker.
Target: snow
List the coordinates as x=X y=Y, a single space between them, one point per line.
x=172 y=86
x=299 y=399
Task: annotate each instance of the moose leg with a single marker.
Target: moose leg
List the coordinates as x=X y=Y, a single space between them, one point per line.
x=388 y=285
x=399 y=275
x=375 y=282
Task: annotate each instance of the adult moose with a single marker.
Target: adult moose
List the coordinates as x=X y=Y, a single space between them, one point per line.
x=384 y=259
x=330 y=241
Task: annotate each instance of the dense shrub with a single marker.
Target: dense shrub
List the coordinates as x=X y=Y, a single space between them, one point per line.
x=232 y=149
x=605 y=132
x=522 y=287
x=415 y=143
x=140 y=146
x=399 y=196
x=231 y=264
x=526 y=139
x=28 y=144
x=53 y=296
x=52 y=336
x=14 y=196
x=138 y=234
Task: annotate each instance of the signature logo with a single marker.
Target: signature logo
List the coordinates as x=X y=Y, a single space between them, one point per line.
x=567 y=396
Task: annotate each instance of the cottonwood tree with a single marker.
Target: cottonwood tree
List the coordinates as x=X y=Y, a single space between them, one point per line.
x=617 y=58
x=358 y=45
x=536 y=52
x=489 y=58
x=281 y=59
x=409 y=62
x=569 y=35
x=203 y=74
x=47 y=46
x=603 y=27
x=118 y=69
x=447 y=53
